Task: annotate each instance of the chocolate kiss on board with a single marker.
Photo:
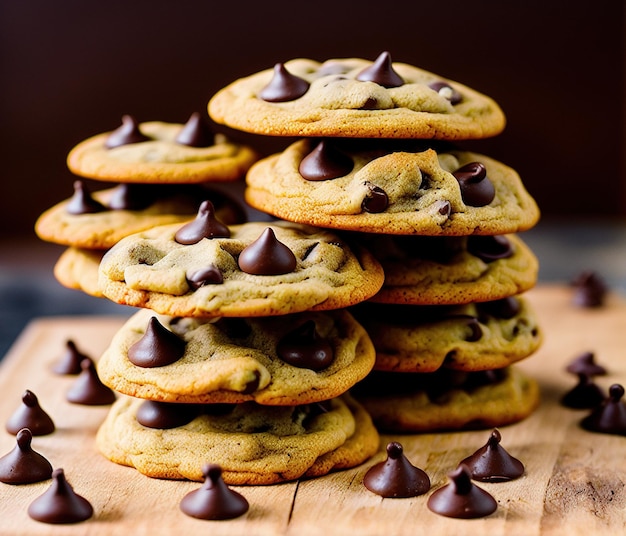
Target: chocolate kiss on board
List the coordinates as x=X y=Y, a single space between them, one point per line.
x=23 y=465
x=492 y=463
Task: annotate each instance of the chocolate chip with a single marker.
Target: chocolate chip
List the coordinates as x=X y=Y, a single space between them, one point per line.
x=69 y=363
x=446 y=91
x=584 y=395
x=490 y=248
x=476 y=331
x=210 y=275
x=492 y=463
x=164 y=415
x=304 y=348
x=283 y=86
x=196 y=132
x=205 y=225
x=23 y=465
x=157 y=347
x=126 y=134
x=476 y=188
x=88 y=389
x=586 y=363
x=127 y=196
x=325 y=162
x=381 y=72
x=267 y=256
x=505 y=308
x=376 y=200
x=589 y=290
x=252 y=384
x=610 y=416
x=82 y=202
x=30 y=415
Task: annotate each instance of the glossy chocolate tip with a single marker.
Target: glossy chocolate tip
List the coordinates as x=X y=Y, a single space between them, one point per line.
x=476 y=188
x=164 y=415
x=304 y=348
x=205 y=225
x=325 y=162
x=490 y=248
x=610 y=416
x=586 y=363
x=492 y=463
x=446 y=91
x=125 y=134
x=30 y=415
x=283 y=86
x=267 y=256
x=82 y=202
x=88 y=390
x=23 y=465
x=69 y=363
x=381 y=72
x=210 y=275
x=196 y=132
x=157 y=347
x=376 y=200
x=584 y=395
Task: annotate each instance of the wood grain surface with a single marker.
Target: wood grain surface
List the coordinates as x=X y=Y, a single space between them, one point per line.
x=574 y=482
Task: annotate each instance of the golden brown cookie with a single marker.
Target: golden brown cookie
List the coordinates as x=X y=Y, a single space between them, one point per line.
x=390 y=188
x=253 y=444
x=77 y=269
x=355 y=97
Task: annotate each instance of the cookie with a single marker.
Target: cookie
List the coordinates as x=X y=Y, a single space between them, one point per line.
x=253 y=444
x=261 y=269
x=393 y=189
x=447 y=400
x=77 y=269
x=287 y=360
x=425 y=270
x=100 y=219
x=355 y=98
x=471 y=337
x=155 y=156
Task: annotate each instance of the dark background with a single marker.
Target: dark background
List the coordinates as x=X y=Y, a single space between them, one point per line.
x=69 y=69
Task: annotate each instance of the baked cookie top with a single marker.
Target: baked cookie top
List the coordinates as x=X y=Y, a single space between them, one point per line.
x=252 y=269
x=391 y=188
x=355 y=98
x=293 y=359
x=253 y=444
x=159 y=152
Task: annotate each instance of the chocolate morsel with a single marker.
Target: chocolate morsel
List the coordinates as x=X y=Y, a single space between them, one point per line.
x=446 y=91
x=584 y=395
x=196 y=132
x=82 y=202
x=88 y=390
x=396 y=477
x=214 y=500
x=69 y=364
x=205 y=225
x=60 y=503
x=325 y=162
x=164 y=415
x=610 y=416
x=489 y=248
x=589 y=290
x=205 y=276
x=503 y=308
x=125 y=134
x=381 y=72
x=304 y=348
x=283 y=86
x=492 y=463
x=376 y=200
x=30 y=415
x=476 y=331
x=23 y=465
x=157 y=347
x=130 y=196
x=267 y=256
x=586 y=363
x=461 y=498
x=476 y=188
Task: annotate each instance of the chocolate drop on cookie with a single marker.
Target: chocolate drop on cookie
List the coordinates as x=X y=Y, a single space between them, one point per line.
x=489 y=248
x=126 y=134
x=584 y=395
x=195 y=133
x=610 y=416
x=476 y=331
x=267 y=256
x=205 y=276
x=283 y=86
x=157 y=347
x=325 y=162
x=461 y=498
x=214 y=500
x=30 y=415
x=396 y=477
x=88 y=390
x=23 y=465
x=589 y=290
x=69 y=364
x=304 y=348
x=476 y=188
x=82 y=202
x=127 y=196
x=164 y=415
x=492 y=463
x=446 y=91
x=205 y=225
x=586 y=363
x=60 y=503
x=376 y=200
x=503 y=308
x=381 y=72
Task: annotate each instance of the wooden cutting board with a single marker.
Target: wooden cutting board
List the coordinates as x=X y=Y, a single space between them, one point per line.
x=575 y=481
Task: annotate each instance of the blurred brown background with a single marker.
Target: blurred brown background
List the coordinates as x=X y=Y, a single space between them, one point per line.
x=69 y=69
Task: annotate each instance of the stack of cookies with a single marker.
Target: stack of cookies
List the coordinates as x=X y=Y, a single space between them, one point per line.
x=377 y=160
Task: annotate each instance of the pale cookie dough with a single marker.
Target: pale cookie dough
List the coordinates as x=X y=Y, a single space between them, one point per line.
x=77 y=269
x=470 y=337
x=337 y=104
x=253 y=444
x=150 y=269
x=161 y=159
x=424 y=197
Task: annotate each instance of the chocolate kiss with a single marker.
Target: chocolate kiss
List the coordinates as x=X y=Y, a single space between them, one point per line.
x=214 y=500
x=88 y=389
x=489 y=248
x=381 y=72
x=69 y=363
x=157 y=347
x=610 y=416
x=396 y=477
x=586 y=363
x=82 y=202
x=166 y=415
x=446 y=91
x=205 y=276
x=205 y=225
x=283 y=86
x=461 y=498
x=304 y=348
x=585 y=394
x=30 y=415
x=23 y=465
x=476 y=188
x=127 y=196
x=589 y=290
x=196 y=132
x=492 y=463
x=125 y=134
x=325 y=162
x=60 y=503
x=267 y=256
